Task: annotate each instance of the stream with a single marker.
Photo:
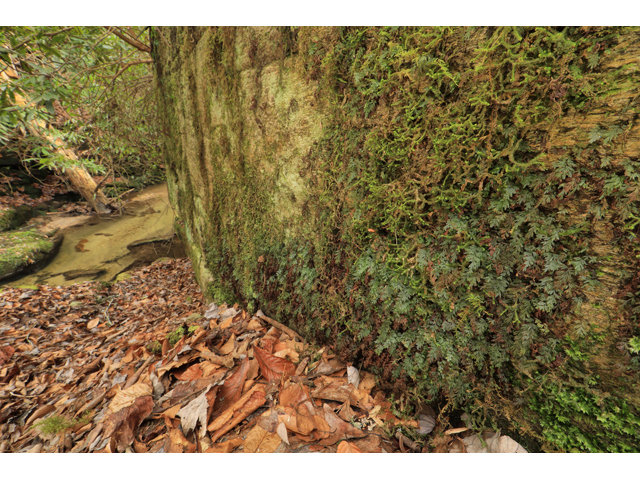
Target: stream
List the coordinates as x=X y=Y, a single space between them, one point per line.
x=111 y=244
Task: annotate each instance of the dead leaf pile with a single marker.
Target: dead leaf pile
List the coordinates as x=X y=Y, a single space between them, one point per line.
x=80 y=355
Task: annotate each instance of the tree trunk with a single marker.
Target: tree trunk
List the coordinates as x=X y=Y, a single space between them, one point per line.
x=77 y=175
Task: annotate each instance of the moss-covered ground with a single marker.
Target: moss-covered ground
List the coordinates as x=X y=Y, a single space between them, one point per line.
x=19 y=250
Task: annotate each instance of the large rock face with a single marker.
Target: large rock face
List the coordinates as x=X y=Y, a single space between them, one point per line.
x=456 y=209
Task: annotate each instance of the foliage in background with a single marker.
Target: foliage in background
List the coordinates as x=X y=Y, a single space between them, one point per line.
x=93 y=86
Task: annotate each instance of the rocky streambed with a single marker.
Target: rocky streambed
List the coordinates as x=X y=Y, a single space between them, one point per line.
x=59 y=249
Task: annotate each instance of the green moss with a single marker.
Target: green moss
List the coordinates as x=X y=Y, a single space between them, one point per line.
x=13 y=218
x=154 y=347
x=21 y=249
x=57 y=423
x=184 y=330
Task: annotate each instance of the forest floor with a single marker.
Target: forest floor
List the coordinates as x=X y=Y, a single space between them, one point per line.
x=143 y=365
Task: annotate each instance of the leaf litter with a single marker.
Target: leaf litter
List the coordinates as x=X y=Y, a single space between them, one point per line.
x=97 y=367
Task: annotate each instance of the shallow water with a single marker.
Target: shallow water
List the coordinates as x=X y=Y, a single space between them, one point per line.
x=102 y=241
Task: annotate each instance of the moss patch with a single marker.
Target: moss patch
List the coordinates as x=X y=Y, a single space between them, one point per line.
x=21 y=250
x=12 y=218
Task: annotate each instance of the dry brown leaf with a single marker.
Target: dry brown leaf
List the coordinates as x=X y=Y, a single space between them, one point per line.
x=228 y=347
x=195 y=411
x=272 y=367
x=339 y=429
x=179 y=444
x=194 y=372
x=346 y=447
x=254 y=324
x=369 y=444
x=289 y=353
x=261 y=441
x=367 y=382
x=39 y=413
x=139 y=447
x=228 y=419
x=457 y=446
x=93 y=323
x=345 y=412
x=332 y=391
x=294 y=395
x=226 y=323
x=225 y=447
x=282 y=433
x=172 y=412
x=122 y=425
x=125 y=398
x=208 y=368
x=231 y=391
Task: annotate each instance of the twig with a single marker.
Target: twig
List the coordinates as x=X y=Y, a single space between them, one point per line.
x=406 y=441
x=136 y=375
x=91 y=404
x=131 y=41
x=282 y=327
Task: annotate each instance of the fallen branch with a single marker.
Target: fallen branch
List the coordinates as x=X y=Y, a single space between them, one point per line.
x=280 y=326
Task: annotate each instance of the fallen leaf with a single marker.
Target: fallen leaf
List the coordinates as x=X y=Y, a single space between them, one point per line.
x=282 y=433
x=354 y=376
x=228 y=347
x=195 y=411
x=246 y=405
x=178 y=443
x=272 y=367
x=39 y=413
x=261 y=441
x=367 y=382
x=339 y=428
x=126 y=398
x=225 y=447
x=289 y=353
x=122 y=425
x=332 y=391
x=509 y=445
x=458 y=446
x=426 y=424
x=346 y=447
x=368 y=444
x=194 y=372
x=231 y=391
x=294 y=395
x=474 y=444
x=254 y=324
x=93 y=323
x=345 y=412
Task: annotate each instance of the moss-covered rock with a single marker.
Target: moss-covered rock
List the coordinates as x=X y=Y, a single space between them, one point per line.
x=12 y=218
x=23 y=252
x=457 y=208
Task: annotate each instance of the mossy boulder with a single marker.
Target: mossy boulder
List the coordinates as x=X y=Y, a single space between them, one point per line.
x=25 y=252
x=12 y=218
x=454 y=208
